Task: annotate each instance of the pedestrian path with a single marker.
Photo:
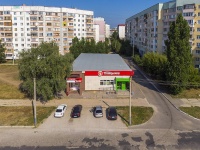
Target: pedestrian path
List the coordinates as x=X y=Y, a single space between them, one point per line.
x=84 y=102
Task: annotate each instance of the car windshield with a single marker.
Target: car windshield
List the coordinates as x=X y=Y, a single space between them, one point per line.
x=76 y=110
x=58 y=110
x=98 y=111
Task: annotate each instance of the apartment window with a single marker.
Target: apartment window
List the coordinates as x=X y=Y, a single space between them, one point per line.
x=22 y=34
x=78 y=20
x=199 y=14
x=16 y=45
x=20 y=13
x=197 y=59
x=198 y=45
x=74 y=19
x=21 y=18
x=28 y=39
x=15 y=29
x=15 y=24
x=27 y=18
x=48 y=24
x=6 y=12
x=21 y=24
x=28 y=29
x=197 y=51
x=16 y=39
x=187 y=14
x=49 y=34
x=15 y=18
x=15 y=34
x=190 y=22
x=190 y=6
x=198 y=36
x=198 y=29
x=22 y=45
x=179 y=8
x=198 y=22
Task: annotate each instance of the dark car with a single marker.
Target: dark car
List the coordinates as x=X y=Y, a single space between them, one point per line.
x=76 y=111
x=112 y=113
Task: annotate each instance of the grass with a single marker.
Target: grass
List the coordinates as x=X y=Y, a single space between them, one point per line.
x=8 y=91
x=191 y=93
x=139 y=114
x=193 y=111
x=8 y=68
x=22 y=115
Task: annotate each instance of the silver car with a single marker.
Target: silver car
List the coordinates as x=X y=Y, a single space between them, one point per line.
x=98 y=111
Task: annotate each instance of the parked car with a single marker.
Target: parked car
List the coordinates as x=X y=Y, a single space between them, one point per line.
x=112 y=113
x=98 y=111
x=60 y=110
x=76 y=111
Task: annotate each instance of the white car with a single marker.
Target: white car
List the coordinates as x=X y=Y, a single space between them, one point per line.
x=60 y=110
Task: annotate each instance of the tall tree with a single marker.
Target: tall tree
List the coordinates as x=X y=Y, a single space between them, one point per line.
x=115 y=42
x=48 y=67
x=179 y=58
x=2 y=53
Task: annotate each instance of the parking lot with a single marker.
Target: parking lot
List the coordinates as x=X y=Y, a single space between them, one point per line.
x=86 y=121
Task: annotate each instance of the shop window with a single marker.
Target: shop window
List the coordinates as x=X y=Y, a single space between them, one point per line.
x=106 y=82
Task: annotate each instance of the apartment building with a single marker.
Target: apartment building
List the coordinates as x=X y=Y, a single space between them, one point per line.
x=107 y=30
x=121 y=31
x=24 y=27
x=101 y=23
x=148 y=29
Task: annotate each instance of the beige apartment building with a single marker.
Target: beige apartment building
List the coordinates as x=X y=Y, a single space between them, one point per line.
x=24 y=27
x=148 y=29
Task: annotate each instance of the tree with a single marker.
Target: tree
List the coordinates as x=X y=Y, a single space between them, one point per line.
x=115 y=42
x=48 y=67
x=155 y=64
x=2 y=53
x=179 y=58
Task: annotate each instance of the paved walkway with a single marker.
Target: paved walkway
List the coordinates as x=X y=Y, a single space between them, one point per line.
x=98 y=101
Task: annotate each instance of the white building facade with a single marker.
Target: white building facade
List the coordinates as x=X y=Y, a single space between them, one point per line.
x=121 y=31
x=24 y=27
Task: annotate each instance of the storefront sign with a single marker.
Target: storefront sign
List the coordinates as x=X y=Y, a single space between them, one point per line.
x=74 y=80
x=109 y=73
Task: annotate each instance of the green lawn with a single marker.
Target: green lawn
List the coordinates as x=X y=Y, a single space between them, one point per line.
x=139 y=115
x=193 y=111
x=22 y=115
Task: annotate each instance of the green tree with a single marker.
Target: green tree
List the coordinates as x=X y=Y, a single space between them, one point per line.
x=2 y=53
x=115 y=42
x=155 y=64
x=48 y=67
x=179 y=58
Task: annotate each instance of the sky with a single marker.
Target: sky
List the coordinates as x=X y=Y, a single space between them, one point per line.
x=113 y=11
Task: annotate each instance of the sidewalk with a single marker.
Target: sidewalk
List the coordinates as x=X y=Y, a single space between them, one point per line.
x=72 y=102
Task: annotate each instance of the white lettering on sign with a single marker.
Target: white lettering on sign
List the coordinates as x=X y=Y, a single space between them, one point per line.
x=111 y=73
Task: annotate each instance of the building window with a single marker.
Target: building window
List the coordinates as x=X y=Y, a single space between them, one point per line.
x=197 y=59
x=198 y=29
x=190 y=22
x=198 y=45
x=106 y=82
x=198 y=36
x=198 y=22
x=199 y=14
x=197 y=51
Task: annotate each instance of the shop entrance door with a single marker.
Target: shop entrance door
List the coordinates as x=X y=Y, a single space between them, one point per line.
x=122 y=83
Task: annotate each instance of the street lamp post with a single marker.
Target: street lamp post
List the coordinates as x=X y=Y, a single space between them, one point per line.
x=34 y=103
x=130 y=103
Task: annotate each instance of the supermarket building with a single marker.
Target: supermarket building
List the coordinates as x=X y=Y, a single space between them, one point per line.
x=97 y=72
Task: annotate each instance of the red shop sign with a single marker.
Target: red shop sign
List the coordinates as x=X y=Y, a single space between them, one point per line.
x=109 y=73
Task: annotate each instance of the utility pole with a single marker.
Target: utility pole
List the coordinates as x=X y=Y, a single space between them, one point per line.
x=130 y=102
x=34 y=103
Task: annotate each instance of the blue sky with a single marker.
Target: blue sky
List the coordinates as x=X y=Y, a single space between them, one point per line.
x=114 y=11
